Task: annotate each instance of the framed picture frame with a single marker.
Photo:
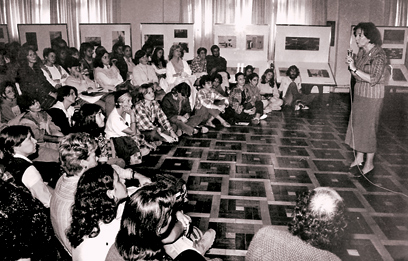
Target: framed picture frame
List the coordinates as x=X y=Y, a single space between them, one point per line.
x=167 y=34
x=41 y=35
x=106 y=35
x=4 y=36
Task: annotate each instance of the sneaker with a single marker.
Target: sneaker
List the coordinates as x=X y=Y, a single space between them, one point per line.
x=305 y=107
x=204 y=130
x=297 y=107
x=205 y=242
x=263 y=117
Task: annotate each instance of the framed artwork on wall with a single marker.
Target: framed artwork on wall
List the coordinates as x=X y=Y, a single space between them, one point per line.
x=167 y=34
x=4 y=37
x=106 y=35
x=42 y=35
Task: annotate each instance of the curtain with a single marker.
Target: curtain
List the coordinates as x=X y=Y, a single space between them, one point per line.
x=205 y=13
x=71 y=12
x=396 y=13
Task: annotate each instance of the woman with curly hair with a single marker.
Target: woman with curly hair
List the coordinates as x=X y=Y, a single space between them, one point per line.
x=317 y=227
x=96 y=213
x=269 y=92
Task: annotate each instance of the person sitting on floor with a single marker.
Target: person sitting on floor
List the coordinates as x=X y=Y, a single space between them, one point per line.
x=121 y=128
x=86 y=52
x=269 y=92
x=55 y=74
x=199 y=63
x=150 y=118
x=214 y=102
x=248 y=70
x=241 y=109
x=17 y=144
x=292 y=92
x=159 y=63
x=176 y=106
x=317 y=227
x=217 y=85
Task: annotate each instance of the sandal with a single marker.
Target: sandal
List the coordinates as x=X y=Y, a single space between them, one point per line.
x=225 y=124
x=210 y=124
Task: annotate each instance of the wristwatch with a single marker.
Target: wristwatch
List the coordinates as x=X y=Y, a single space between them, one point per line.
x=354 y=71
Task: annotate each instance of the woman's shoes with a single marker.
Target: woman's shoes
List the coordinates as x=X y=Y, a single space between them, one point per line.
x=210 y=124
x=361 y=174
x=225 y=124
x=356 y=169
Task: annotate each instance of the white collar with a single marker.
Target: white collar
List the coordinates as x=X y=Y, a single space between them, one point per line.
x=16 y=155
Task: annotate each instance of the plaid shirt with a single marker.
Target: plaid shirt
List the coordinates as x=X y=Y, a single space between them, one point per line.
x=374 y=63
x=146 y=116
x=207 y=97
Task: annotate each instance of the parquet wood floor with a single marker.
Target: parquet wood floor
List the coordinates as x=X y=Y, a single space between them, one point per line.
x=242 y=178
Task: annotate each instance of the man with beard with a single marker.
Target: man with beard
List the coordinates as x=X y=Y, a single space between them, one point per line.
x=217 y=64
x=292 y=93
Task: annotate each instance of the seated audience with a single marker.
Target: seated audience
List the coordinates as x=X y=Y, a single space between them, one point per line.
x=6 y=72
x=17 y=144
x=25 y=230
x=217 y=85
x=176 y=106
x=73 y=53
x=151 y=120
x=86 y=52
x=54 y=73
x=199 y=63
x=292 y=93
x=121 y=128
x=43 y=128
x=143 y=72
x=317 y=227
x=32 y=80
x=96 y=213
x=159 y=63
x=106 y=74
x=253 y=98
x=214 y=102
x=148 y=49
x=127 y=56
x=179 y=71
x=240 y=98
x=90 y=119
x=62 y=57
x=61 y=113
x=77 y=154
x=87 y=90
x=217 y=64
x=269 y=92
x=8 y=102
x=11 y=59
x=118 y=59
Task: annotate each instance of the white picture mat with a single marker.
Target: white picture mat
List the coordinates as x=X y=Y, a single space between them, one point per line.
x=167 y=30
x=104 y=31
x=240 y=54
x=404 y=71
x=296 y=56
x=43 y=34
x=5 y=38
x=386 y=45
x=303 y=67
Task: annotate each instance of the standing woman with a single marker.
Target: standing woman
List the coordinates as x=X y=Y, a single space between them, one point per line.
x=179 y=71
x=368 y=69
x=106 y=75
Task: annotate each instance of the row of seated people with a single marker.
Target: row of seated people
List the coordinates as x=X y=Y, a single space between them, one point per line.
x=90 y=211
x=96 y=217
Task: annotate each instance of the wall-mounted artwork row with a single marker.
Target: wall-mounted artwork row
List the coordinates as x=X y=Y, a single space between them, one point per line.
x=106 y=35
x=165 y=35
x=42 y=35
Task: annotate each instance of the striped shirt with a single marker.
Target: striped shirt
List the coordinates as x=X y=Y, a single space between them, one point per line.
x=374 y=63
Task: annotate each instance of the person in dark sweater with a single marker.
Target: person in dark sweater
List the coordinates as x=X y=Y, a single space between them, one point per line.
x=17 y=144
x=62 y=112
x=317 y=227
x=176 y=106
